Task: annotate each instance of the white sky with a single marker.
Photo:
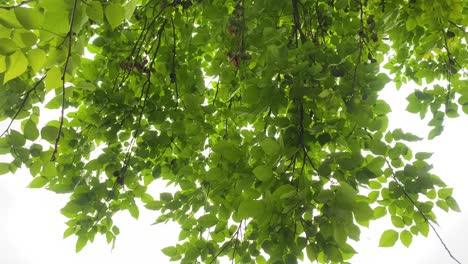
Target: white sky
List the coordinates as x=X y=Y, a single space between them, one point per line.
x=31 y=225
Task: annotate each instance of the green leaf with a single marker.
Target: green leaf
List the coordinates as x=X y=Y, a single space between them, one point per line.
x=30 y=130
x=53 y=79
x=169 y=251
x=49 y=133
x=363 y=212
x=423 y=155
x=436 y=131
x=30 y=18
x=345 y=196
x=38 y=182
x=7 y=46
x=130 y=8
x=406 y=237
x=134 y=211
x=312 y=252
x=208 y=220
x=81 y=243
x=263 y=172
x=379 y=212
x=270 y=146
x=17 y=64
x=95 y=12
x=36 y=58
x=16 y=139
x=445 y=193
x=397 y=221
x=388 y=238
x=452 y=204
x=248 y=209
x=378 y=147
x=115 y=14
x=4 y=168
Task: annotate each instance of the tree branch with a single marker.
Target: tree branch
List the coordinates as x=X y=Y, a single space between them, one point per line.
x=65 y=67
x=22 y=105
x=297 y=23
x=421 y=213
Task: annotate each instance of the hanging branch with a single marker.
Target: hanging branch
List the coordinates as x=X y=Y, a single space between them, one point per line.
x=234 y=236
x=173 y=74
x=22 y=104
x=420 y=212
x=297 y=23
x=18 y=5
x=65 y=67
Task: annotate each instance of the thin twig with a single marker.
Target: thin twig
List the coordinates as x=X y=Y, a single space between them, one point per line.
x=22 y=104
x=420 y=212
x=297 y=23
x=18 y=5
x=227 y=244
x=65 y=67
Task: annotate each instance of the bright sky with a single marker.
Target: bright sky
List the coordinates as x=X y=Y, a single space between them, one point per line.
x=31 y=225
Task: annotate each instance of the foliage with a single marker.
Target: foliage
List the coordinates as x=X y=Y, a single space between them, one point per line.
x=265 y=116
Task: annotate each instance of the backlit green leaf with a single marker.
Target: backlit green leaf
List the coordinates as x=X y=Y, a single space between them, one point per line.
x=406 y=237
x=17 y=64
x=388 y=238
x=30 y=130
x=38 y=182
x=7 y=46
x=29 y=18
x=4 y=168
x=115 y=14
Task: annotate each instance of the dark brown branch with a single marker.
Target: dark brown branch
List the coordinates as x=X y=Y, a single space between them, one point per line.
x=18 y=5
x=65 y=67
x=297 y=23
x=420 y=212
x=227 y=244
x=22 y=104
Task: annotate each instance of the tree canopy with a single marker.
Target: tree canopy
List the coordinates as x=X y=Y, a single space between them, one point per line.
x=264 y=115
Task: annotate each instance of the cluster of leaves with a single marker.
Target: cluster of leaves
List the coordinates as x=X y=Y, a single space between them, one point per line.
x=265 y=116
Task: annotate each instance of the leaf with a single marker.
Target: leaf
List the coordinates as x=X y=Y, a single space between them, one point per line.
x=7 y=46
x=397 y=221
x=30 y=18
x=130 y=8
x=248 y=209
x=17 y=64
x=28 y=38
x=95 y=11
x=388 y=238
x=263 y=172
x=81 y=243
x=378 y=147
x=169 y=251
x=452 y=204
x=445 y=193
x=38 y=182
x=134 y=211
x=208 y=220
x=49 y=133
x=36 y=58
x=115 y=14
x=4 y=168
x=16 y=139
x=406 y=238
x=270 y=146
x=30 y=130
x=53 y=79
